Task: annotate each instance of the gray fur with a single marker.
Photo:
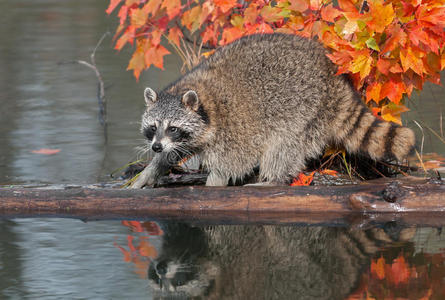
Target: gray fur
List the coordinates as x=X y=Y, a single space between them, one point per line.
x=269 y=262
x=272 y=100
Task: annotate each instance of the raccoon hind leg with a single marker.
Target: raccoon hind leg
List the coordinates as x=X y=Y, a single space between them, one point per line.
x=217 y=179
x=283 y=159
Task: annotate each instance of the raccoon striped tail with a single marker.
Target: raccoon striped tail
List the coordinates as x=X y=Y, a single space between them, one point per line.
x=376 y=138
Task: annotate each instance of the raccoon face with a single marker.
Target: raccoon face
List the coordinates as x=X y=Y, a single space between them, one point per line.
x=182 y=269
x=173 y=123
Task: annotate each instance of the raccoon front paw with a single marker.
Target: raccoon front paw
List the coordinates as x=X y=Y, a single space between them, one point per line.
x=145 y=178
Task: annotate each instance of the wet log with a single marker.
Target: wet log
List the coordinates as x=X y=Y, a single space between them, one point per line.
x=408 y=200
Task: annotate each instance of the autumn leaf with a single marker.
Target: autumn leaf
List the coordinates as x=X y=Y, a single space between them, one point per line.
x=382 y=15
x=138 y=18
x=411 y=60
x=270 y=14
x=174 y=35
x=373 y=92
x=303 y=179
x=361 y=64
x=225 y=5
x=231 y=34
x=299 y=5
x=146 y=249
x=329 y=13
x=137 y=63
x=399 y=270
x=393 y=90
x=152 y=7
x=173 y=7
x=329 y=172
x=155 y=56
x=112 y=6
x=46 y=151
x=378 y=268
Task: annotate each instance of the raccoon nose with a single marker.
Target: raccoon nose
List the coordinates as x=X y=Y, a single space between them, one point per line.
x=157 y=147
x=161 y=268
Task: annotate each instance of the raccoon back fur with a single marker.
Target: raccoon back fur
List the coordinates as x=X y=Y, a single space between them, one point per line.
x=271 y=100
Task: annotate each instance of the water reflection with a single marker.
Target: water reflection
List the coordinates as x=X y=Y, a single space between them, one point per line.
x=288 y=262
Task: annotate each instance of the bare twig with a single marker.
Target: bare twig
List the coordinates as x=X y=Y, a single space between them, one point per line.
x=100 y=87
x=423 y=138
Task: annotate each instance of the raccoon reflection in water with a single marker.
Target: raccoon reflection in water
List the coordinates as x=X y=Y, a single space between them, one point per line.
x=263 y=262
x=271 y=100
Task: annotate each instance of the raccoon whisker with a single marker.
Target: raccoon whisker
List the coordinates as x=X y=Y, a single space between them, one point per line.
x=183 y=149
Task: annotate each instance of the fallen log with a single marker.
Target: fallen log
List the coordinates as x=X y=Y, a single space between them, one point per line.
x=408 y=200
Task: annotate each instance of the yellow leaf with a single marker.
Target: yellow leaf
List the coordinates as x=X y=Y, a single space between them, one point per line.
x=350 y=27
x=237 y=21
x=137 y=63
x=382 y=15
x=362 y=64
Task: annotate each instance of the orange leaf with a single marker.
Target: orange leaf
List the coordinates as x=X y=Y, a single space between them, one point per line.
x=127 y=255
x=373 y=92
x=126 y=37
x=155 y=56
x=137 y=63
x=434 y=16
x=397 y=37
x=392 y=112
x=299 y=5
x=122 y=14
x=130 y=243
x=330 y=13
x=378 y=268
x=207 y=9
x=382 y=15
x=399 y=271
x=173 y=7
x=411 y=59
x=112 y=6
x=46 y=151
x=329 y=172
x=303 y=179
x=225 y=5
x=138 y=18
x=152 y=6
x=251 y=13
x=174 y=35
x=347 y=5
x=190 y=18
x=270 y=14
x=147 y=250
x=231 y=34
x=383 y=66
x=393 y=90
x=210 y=35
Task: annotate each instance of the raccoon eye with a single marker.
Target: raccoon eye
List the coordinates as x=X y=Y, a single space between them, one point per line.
x=173 y=129
x=153 y=127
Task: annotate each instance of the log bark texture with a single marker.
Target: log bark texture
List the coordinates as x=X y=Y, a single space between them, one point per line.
x=409 y=200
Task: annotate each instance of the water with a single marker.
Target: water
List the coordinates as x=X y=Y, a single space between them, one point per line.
x=45 y=104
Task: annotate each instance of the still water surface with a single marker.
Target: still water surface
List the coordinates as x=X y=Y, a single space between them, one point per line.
x=49 y=105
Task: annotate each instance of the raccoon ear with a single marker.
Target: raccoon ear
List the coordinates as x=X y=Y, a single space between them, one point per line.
x=190 y=100
x=150 y=96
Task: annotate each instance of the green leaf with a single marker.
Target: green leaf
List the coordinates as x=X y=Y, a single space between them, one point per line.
x=372 y=44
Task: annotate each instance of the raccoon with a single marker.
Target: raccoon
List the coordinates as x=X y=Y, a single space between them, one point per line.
x=267 y=100
x=264 y=261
